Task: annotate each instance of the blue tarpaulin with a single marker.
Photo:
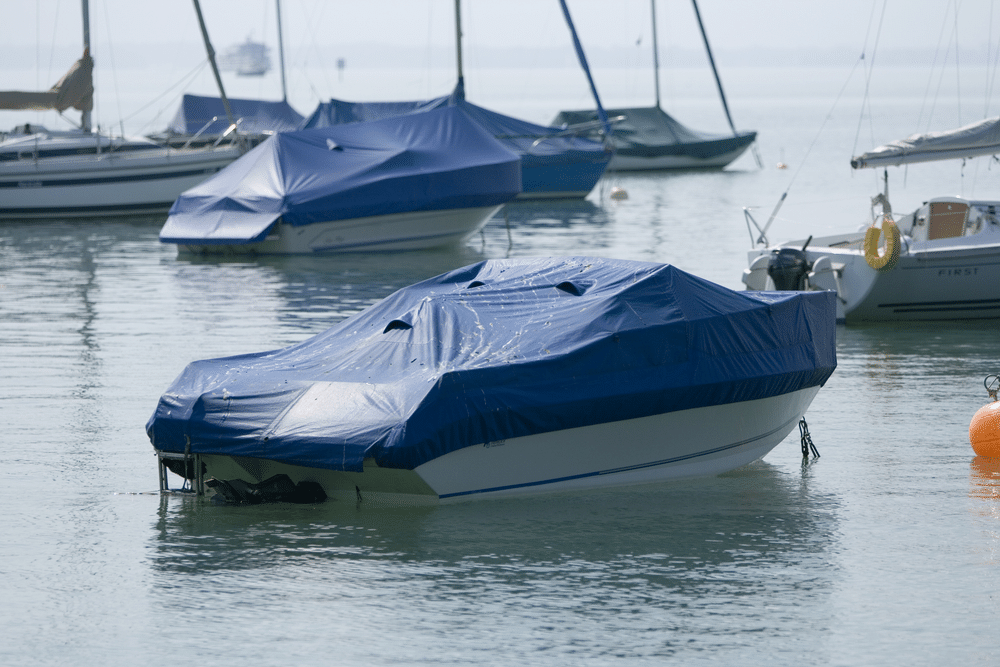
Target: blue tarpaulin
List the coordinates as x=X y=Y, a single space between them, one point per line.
x=554 y=160
x=425 y=162
x=255 y=116
x=500 y=349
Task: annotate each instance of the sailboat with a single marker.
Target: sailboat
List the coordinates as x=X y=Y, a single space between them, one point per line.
x=83 y=173
x=247 y=59
x=647 y=138
x=202 y=119
x=555 y=162
x=939 y=262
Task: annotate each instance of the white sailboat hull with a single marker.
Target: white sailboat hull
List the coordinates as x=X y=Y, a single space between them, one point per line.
x=952 y=278
x=688 y=443
x=413 y=230
x=138 y=182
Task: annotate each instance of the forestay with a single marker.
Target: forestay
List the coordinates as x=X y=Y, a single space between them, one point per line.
x=496 y=350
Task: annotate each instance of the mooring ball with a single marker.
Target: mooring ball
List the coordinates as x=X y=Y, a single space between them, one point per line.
x=984 y=430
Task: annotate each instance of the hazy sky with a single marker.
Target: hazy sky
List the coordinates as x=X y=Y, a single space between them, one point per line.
x=41 y=38
x=732 y=24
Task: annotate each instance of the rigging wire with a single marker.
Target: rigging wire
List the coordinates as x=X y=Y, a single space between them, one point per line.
x=930 y=78
x=866 y=100
x=991 y=78
x=114 y=65
x=861 y=59
x=183 y=81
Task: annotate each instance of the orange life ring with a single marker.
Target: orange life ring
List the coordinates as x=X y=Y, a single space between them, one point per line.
x=885 y=260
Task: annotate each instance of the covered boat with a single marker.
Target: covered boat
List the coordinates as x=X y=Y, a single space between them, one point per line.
x=414 y=181
x=648 y=138
x=555 y=162
x=509 y=377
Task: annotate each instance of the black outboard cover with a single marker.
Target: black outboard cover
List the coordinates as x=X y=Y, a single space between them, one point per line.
x=788 y=268
x=277 y=489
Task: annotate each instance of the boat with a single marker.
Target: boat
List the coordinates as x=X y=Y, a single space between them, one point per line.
x=555 y=163
x=648 y=138
x=939 y=262
x=411 y=182
x=82 y=173
x=247 y=59
x=506 y=377
x=202 y=119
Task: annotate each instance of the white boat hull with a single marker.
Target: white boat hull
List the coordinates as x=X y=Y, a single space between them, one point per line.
x=413 y=230
x=137 y=183
x=942 y=279
x=687 y=443
x=945 y=283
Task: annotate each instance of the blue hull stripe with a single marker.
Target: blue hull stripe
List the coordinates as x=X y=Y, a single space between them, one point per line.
x=29 y=183
x=612 y=471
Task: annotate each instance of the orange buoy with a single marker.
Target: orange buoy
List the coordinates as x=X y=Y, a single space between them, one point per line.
x=984 y=430
x=618 y=193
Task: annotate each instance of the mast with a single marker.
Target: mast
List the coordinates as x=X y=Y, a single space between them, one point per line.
x=656 y=54
x=711 y=60
x=85 y=115
x=281 y=54
x=460 y=87
x=586 y=69
x=215 y=67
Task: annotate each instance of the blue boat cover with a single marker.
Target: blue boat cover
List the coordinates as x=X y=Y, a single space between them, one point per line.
x=540 y=147
x=496 y=350
x=255 y=116
x=439 y=160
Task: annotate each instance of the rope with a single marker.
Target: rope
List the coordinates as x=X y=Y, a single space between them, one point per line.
x=807 y=441
x=992 y=384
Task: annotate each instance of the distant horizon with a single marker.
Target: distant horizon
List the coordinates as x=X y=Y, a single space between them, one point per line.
x=375 y=55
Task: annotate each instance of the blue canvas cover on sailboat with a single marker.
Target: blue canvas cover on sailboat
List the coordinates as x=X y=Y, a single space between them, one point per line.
x=496 y=350
x=196 y=114
x=539 y=146
x=439 y=160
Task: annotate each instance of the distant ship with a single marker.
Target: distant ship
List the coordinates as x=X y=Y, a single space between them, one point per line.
x=247 y=59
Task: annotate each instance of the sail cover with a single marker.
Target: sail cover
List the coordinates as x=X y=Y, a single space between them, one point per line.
x=496 y=350
x=972 y=140
x=207 y=115
x=423 y=162
x=75 y=89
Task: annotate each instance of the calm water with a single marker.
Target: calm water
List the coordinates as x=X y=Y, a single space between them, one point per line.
x=886 y=550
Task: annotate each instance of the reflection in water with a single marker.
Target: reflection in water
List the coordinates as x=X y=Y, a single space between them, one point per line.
x=669 y=557
x=984 y=489
x=984 y=483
